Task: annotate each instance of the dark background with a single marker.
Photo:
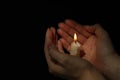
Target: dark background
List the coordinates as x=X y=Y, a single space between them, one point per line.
x=52 y=13
x=26 y=24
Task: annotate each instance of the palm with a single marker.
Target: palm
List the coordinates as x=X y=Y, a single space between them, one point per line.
x=89 y=48
x=95 y=48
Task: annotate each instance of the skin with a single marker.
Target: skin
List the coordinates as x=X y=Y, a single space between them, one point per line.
x=96 y=46
x=65 y=65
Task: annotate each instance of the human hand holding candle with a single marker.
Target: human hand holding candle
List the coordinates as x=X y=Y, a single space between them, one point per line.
x=96 y=45
x=60 y=64
x=75 y=46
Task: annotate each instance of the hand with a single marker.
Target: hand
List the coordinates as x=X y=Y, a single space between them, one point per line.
x=96 y=45
x=67 y=66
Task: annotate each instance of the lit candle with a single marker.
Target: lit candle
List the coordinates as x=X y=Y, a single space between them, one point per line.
x=75 y=45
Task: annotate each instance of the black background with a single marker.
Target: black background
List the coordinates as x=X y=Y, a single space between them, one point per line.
x=41 y=16
x=26 y=24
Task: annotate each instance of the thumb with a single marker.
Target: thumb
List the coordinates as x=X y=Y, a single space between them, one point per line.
x=99 y=31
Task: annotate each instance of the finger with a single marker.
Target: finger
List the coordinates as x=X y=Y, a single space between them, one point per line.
x=72 y=23
x=90 y=47
x=64 y=35
x=71 y=32
x=60 y=46
x=54 y=68
x=100 y=32
x=103 y=37
x=67 y=29
x=56 y=55
x=54 y=34
x=57 y=70
x=48 y=41
x=77 y=27
x=81 y=39
x=90 y=29
x=65 y=44
x=53 y=30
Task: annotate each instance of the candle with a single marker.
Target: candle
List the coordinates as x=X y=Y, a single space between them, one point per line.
x=75 y=45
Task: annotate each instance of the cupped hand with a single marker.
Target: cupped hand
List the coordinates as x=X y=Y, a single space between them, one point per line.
x=95 y=41
x=65 y=65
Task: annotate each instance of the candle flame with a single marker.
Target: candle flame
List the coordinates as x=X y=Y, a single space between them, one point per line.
x=75 y=37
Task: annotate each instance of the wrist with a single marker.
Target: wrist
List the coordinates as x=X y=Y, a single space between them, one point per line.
x=112 y=67
x=111 y=61
x=91 y=74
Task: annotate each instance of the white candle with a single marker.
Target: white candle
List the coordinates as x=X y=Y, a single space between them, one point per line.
x=75 y=45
